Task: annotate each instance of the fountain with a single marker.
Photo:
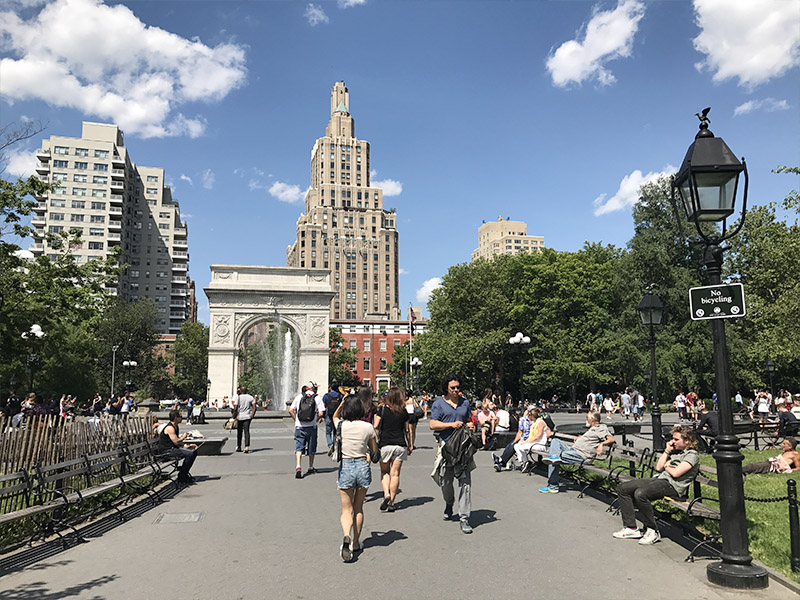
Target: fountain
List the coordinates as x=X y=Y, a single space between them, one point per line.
x=275 y=362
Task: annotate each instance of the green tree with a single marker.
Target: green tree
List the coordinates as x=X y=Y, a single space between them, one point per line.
x=190 y=359
x=341 y=360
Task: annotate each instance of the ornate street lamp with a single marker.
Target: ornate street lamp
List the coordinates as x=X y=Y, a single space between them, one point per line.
x=706 y=184
x=415 y=362
x=520 y=340
x=128 y=365
x=651 y=312
x=769 y=367
x=34 y=336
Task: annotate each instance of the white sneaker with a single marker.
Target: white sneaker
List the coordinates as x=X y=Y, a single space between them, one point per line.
x=626 y=533
x=650 y=537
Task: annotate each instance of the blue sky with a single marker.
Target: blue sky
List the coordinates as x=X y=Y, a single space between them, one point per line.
x=548 y=112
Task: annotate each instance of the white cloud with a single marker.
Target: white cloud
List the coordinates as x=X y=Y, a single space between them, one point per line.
x=315 y=15
x=108 y=63
x=607 y=36
x=767 y=105
x=255 y=184
x=286 y=192
x=186 y=216
x=424 y=293
x=628 y=192
x=208 y=178
x=751 y=41
x=351 y=3
x=390 y=187
x=186 y=178
x=20 y=163
x=402 y=272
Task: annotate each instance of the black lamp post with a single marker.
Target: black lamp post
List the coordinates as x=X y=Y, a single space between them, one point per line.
x=34 y=337
x=769 y=367
x=520 y=340
x=128 y=365
x=706 y=184
x=651 y=311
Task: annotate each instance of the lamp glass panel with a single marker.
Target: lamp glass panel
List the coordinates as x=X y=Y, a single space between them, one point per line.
x=716 y=195
x=685 y=191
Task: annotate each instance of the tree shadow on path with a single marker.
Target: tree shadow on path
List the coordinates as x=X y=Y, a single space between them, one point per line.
x=38 y=591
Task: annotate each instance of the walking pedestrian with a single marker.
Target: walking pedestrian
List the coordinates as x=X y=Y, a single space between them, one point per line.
x=449 y=413
x=307 y=411
x=358 y=439
x=392 y=424
x=245 y=407
x=331 y=402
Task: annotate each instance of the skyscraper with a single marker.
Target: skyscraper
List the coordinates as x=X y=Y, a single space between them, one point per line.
x=113 y=202
x=345 y=228
x=505 y=237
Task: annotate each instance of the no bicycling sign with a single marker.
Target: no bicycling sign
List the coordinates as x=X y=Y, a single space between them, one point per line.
x=725 y=301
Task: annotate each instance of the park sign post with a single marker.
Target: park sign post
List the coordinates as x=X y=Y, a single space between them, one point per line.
x=725 y=301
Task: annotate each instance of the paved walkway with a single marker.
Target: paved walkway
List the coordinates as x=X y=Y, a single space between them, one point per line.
x=263 y=534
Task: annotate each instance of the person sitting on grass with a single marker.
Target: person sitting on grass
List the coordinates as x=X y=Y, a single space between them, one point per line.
x=584 y=449
x=677 y=467
x=786 y=462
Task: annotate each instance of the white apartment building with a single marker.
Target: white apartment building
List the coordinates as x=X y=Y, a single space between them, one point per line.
x=112 y=202
x=345 y=228
x=505 y=237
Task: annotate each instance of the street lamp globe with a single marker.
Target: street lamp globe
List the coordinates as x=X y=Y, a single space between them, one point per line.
x=709 y=176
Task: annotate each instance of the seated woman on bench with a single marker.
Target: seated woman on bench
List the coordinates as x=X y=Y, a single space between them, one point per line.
x=173 y=445
x=677 y=467
x=537 y=439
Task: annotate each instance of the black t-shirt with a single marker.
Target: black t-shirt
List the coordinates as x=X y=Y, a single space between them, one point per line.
x=787 y=423
x=392 y=428
x=331 y=400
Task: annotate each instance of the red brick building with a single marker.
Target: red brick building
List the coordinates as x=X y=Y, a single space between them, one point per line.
x=376 y=342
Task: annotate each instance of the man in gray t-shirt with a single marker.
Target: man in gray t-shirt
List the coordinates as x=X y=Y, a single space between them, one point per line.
x=584 y=449
x=245 y=406
x=677 y=467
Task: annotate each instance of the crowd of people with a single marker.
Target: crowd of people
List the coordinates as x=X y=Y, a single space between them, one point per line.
x=67 y=407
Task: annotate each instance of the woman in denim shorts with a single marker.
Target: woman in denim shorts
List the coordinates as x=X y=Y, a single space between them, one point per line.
x=358 y=439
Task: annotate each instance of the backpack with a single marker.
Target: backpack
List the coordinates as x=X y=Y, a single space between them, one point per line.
x=333 y=401
x=307 y=409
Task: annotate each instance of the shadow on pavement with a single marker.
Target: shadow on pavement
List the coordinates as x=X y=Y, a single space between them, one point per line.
x=482 y=517
x=410 y=502
x=383 y=538
x=38 y=591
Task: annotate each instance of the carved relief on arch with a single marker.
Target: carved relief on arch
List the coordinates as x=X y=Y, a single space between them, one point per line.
x=222 y=329
x=317 y=327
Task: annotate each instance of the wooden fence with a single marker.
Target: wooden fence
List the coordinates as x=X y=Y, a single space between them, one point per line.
x=50 y=439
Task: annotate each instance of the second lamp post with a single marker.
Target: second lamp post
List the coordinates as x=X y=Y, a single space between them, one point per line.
x=521 y=341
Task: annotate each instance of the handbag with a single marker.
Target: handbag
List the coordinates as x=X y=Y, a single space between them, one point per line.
x=418 y=412
x=229 y=424
x=335 y=451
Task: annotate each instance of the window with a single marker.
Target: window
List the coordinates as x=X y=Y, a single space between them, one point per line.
x=79 y=178
x=76 y=218
x=101 y=153
x=383 y=345
x=100 y=167
x=54 y=216
x=59 y=176
x=98 y=205
x=57 y=203
x=97 y=219
x=366 y=345
x=352 y=344
x=98 y=194
x=151 y=191
x=81 y=166
x=55 y=228
x=78 y=204
x=383 y=364
x=60 y=150
x=96 y=231
x=163 y=225
x=366 y=364
x=81 y=152
x=151 y=178
x=163 y=215
x=100 y=179
x=60 y=164
x=95 y=245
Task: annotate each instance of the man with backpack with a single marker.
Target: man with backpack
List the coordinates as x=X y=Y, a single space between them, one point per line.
x=331 y=402
x=307 y=411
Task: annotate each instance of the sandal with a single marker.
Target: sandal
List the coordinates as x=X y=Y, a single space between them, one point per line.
x=391 y=507
x=385 y=504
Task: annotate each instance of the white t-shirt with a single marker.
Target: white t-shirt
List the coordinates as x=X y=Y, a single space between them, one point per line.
x=680 y=401
x=246 y=406
x=355 y=438
x=640 y=401
x=504 y=419
x=296 y=407
x=739 y=399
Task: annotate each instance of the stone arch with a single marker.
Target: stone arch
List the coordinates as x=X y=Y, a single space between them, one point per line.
x=240 y=296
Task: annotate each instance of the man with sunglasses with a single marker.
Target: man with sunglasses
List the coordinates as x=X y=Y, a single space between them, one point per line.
x=449 y=413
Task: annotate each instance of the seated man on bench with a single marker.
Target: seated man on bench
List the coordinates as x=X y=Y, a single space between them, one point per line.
x=172 y=445
x=786 y=462
x=584 y=449
x=677 y=467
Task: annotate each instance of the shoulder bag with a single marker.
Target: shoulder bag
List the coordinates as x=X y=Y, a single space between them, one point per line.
x=335 y=451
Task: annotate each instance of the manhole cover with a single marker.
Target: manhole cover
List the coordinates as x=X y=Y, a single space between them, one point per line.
x=178 y=518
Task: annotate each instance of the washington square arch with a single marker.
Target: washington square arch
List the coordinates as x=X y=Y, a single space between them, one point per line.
x=242 y=297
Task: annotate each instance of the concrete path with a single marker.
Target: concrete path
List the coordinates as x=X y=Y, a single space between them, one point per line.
x=250 y=530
